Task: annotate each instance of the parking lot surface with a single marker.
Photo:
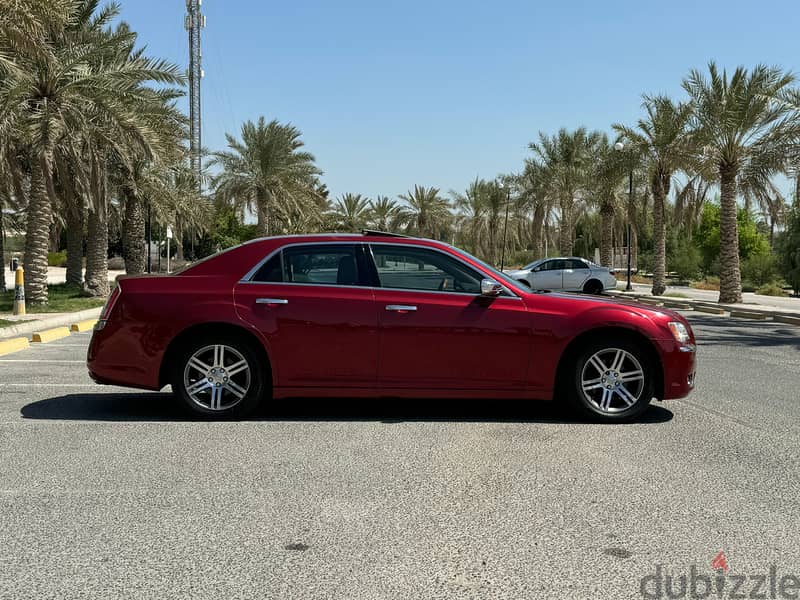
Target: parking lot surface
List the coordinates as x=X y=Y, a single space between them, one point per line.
x=112 y=493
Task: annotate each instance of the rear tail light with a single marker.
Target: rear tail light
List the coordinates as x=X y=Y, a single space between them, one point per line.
x=108 y=308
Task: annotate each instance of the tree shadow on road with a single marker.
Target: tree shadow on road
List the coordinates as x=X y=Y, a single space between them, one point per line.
x=138 y=406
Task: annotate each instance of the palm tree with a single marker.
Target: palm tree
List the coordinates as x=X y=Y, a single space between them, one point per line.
x=689 y=201
x=745 y=125
x=384 y=213
x=608 y=171
x=74 y=81
x=534 y=198
x=427 y=214
x=471 y=207
x=567 y=157
x=268 y=172
x=351 y=212
x=664 y=144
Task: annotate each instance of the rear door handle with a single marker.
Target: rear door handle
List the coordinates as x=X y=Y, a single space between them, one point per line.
x=401 y=307
x=271 y=301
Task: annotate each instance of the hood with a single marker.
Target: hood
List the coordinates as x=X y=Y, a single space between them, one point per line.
x=654 y=313
x=516 y=272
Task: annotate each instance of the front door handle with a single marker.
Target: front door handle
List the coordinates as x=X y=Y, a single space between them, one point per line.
x=271 y=301
x=402 y=308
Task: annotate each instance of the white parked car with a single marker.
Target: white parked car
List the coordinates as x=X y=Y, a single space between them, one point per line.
x=568 y=274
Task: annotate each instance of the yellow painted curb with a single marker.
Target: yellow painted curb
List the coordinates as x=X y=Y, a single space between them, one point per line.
x=83 y=325
x=677 y=304
x=714 y=310
x=651 y=301
x=13 y=345
x=48 y=335
x=786 y=319
x=756 y=316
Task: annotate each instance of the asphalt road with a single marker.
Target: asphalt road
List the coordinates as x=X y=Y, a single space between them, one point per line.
x=107 y=493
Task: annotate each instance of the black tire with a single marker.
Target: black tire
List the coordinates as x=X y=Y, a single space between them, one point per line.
x=235 y=351
x=588 y=404
x=593 y=286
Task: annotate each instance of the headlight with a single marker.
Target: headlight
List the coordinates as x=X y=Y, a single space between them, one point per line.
x=679 y=331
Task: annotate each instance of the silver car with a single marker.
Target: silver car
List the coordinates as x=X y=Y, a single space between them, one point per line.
x=568 y=274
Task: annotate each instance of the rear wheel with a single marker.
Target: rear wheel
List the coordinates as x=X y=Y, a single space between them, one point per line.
x=611 y=381
x=218 y=377
x=593 y=286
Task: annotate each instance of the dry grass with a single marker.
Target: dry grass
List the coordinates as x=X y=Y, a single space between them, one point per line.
x=709 y=283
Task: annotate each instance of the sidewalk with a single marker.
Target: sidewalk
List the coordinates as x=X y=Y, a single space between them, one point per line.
x=781 y=303
x=759 y=312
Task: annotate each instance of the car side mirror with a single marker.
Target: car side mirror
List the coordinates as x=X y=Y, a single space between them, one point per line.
x=489 y=287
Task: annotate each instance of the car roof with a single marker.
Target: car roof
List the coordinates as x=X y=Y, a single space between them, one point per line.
x=541 y=260
x=368 y=236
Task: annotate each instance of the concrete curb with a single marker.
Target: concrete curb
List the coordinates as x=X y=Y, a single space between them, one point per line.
x=66 y=320
x=746 y=311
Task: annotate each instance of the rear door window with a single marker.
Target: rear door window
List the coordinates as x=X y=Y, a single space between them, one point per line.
x=322 y=265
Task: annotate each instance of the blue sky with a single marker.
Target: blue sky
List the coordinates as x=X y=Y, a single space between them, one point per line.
x=389 y=94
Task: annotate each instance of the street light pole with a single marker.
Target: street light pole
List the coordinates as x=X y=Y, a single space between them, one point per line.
x=619 y=146
x=149 y=235
x=628 y=287
x=505 y=226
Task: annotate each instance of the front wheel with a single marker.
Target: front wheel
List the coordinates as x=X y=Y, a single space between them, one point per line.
x=218 y=378
x=611 y=381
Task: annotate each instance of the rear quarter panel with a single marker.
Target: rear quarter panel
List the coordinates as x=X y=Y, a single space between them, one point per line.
x=150 y=312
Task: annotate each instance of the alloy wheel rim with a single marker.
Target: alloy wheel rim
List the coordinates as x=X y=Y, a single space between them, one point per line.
x=216 y=377
x=612 y=380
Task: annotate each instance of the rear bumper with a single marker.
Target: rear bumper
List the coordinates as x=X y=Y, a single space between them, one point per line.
x=115 y=358
x=679 y=362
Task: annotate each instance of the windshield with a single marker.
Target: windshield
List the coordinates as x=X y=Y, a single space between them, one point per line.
x=533 y=264
x=500 y=276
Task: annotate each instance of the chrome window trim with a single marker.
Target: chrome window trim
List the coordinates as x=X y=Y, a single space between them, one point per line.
x=252 y=272
x=247 y=279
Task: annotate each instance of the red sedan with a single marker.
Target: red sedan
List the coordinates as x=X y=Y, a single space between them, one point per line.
x=378 y=315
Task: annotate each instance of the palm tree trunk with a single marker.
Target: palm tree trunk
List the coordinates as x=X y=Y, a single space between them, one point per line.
x=133 y=244
x=2 y=251
x=566 y=238
x=37 y=235
x=606 y=239
x=659 y=238
x=97 y=252
x=537 y=233
x=75 y=217
x=263 y=216
x=178 y=238
x=730 y=277
x=55 y=236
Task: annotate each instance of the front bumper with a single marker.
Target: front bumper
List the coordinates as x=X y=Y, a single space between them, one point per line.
x=679 y=362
